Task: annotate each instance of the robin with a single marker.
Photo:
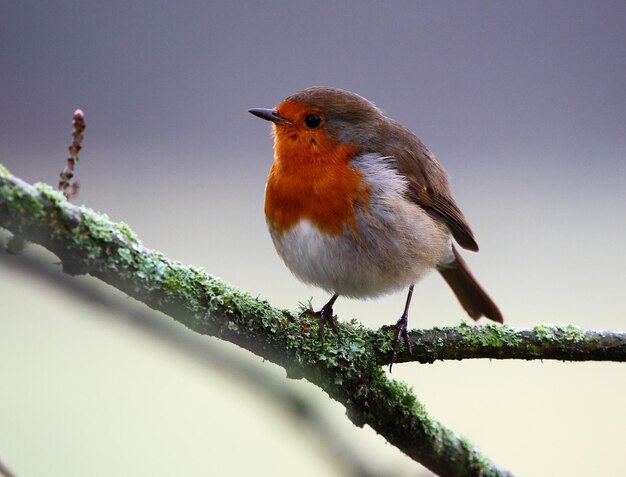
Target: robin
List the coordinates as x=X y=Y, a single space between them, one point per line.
x=357 y=205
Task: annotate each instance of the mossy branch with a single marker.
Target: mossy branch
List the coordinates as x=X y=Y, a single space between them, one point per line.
x=348 y=368
x=562 y=342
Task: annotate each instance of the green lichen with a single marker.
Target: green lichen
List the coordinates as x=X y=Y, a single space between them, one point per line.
x=467 y=332
x=5 y=194
x=397 y=396
x=22 y=202
x=425 y=340
x=380 y=342
x=479 y=464
x=552 y=333
x=572 y=333
x=545 y=332
x=184 y=284
x=401 y=398
x=344 y=350
x=503 y=335
x=55 y=197
x=128 y=232
x=99 y=226
x=173 y=282
x=4 y=171
x=27 y=203
x=80 y=239
x=151 y=268
x=437 y=344
x=125 y=257
x=490 y=335
x=266 y=317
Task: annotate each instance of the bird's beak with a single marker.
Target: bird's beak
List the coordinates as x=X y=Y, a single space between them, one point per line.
x=269 y=115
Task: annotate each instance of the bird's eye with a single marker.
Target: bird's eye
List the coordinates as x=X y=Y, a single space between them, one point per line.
x=312 y=121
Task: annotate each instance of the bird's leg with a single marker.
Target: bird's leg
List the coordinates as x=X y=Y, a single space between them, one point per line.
x=325 y=315
x=401 y=330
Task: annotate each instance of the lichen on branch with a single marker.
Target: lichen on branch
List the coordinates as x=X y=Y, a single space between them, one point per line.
x=349 y=367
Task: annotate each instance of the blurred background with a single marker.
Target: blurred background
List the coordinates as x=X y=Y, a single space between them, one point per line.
x=524 y=103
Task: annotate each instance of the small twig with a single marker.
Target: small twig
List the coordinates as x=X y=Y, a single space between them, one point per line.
x=68 y=185
x=16 y=244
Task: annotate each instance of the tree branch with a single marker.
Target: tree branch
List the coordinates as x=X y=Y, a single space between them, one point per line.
x=347 y=368
x=562 y=342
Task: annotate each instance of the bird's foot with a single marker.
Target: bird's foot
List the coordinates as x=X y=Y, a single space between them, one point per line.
x=325 y=315
x=401 y=331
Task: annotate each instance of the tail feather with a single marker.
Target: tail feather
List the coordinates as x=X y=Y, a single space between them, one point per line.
x=469 y=292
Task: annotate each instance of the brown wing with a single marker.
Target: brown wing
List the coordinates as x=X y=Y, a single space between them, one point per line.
x=445 y=209
x=428 y=182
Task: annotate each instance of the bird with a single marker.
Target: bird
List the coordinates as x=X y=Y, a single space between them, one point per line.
x=358 y=206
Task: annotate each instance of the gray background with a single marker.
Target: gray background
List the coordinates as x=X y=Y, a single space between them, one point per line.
x=524 y=103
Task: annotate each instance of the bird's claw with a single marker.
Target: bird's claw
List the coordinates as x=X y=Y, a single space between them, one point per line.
x=325 y=315
x=401 y=331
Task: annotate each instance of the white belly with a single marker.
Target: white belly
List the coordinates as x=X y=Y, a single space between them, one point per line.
x=379 y=261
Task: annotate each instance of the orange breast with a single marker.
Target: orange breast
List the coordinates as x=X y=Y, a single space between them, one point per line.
x=311 y=179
